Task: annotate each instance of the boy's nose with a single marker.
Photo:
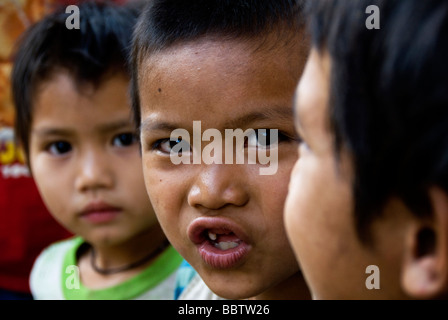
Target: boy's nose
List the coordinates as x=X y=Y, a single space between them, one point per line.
x=94 y=172
x=217 y=186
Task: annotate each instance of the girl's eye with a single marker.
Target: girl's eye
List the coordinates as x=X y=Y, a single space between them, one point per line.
x=124 y=139
x=266 y=138
x=59 y=148
x=167 y=145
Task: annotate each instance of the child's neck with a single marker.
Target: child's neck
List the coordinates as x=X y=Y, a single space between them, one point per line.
x=129 y=251
x=119 y=256
x=293 y=288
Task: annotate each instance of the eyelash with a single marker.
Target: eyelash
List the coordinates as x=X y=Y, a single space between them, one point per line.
x=58 y=145
x=157 y=146
x=282 y=137
x=61 y=147
x=126 y=135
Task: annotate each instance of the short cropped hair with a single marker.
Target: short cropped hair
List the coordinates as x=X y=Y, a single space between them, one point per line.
x=388 y=98
x=165 y=23
x=90 y=54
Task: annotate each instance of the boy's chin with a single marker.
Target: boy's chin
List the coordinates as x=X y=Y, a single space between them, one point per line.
x=232 y=285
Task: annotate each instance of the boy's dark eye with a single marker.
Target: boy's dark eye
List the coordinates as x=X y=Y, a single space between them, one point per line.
x=59 y=147
x=124 y=139
x=166 y=145
x=266 y=138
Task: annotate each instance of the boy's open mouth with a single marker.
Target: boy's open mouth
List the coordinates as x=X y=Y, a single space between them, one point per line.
x=222 y=239
x=220 y=242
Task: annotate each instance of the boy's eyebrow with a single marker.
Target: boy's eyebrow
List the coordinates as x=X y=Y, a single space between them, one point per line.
x=279 y=113
x=282 y=113
x=103 y=128
x=151 y=125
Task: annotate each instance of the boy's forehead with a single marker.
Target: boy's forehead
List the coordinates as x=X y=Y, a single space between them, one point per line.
x=230 y=79
x=217 y=74
x=221 y=50
x=194 y=54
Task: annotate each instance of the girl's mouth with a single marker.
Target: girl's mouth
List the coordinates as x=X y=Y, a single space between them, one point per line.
x=100 y=212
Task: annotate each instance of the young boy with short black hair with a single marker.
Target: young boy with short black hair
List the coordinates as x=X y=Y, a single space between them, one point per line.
x=367 y=210
x=206 y=67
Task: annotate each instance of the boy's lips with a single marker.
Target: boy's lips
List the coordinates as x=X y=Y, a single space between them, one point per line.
x=221 y=242
x=100 y=212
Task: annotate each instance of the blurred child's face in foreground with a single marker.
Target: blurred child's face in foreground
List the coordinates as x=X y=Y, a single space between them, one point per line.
x=85 y=160
x=319 y=214
x=201 y=207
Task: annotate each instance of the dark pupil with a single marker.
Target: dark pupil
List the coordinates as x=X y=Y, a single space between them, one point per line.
x=183 y=145
x=126 y=138
x=173 y=143
x=264 y=137
x=62 y=147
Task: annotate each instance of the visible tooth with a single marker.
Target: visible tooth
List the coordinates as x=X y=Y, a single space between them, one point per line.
x=212 y=236
x=226 y=245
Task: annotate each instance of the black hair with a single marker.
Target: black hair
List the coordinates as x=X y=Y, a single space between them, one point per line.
x=90 y=54
x=165 y=23
x=388 y=98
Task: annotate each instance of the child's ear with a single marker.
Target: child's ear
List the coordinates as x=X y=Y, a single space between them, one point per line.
x=425 y=270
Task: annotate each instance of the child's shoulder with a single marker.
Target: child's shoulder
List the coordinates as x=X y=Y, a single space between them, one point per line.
x=47 y=268
x=64 y=243
x=58 y=249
